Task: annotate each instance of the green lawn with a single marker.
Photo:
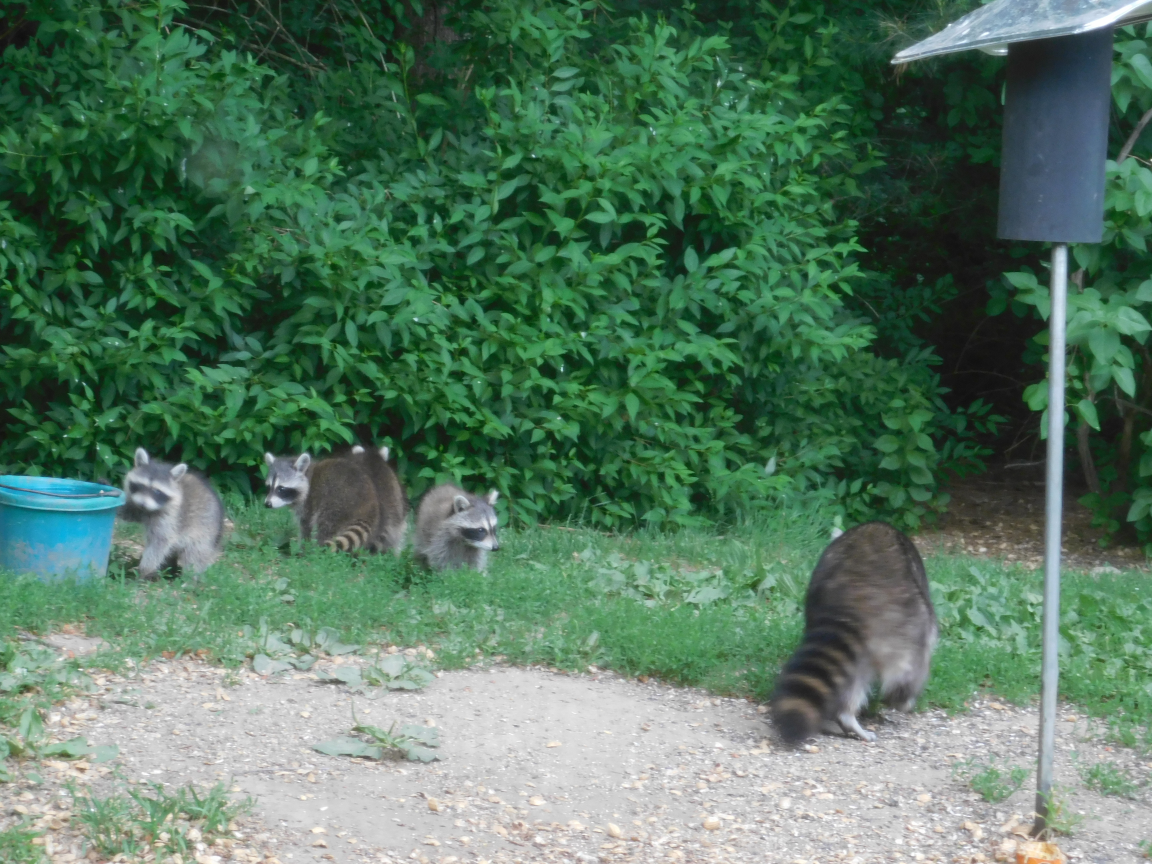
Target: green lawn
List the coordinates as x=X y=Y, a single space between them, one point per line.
x=714 y=610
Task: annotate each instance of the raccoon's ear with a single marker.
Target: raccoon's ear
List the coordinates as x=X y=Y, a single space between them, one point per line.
x=384 y=453
x=357 y=450
x=141 y=457
x=302 y=462
x=492 y=496
x=178 y=471
x=269 y=459
x=460 y=504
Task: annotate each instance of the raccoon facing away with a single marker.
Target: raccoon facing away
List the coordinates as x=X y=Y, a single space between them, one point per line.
x=867 y=616
x=455 y=528
x=182 y=515
x=332 y=499
x=392 y=522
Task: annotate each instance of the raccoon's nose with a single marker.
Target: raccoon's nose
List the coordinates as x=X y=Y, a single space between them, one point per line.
x=267 y=503
x=495 y=544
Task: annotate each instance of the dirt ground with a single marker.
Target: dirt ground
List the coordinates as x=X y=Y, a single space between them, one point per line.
x=537 y=765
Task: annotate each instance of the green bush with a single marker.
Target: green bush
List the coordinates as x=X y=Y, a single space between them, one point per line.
x=608 y=282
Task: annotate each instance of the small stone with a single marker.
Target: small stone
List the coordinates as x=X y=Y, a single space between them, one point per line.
x=784 y=803
x=711 y=823
x=434 y=805
x=614 y=831
x=537 y=801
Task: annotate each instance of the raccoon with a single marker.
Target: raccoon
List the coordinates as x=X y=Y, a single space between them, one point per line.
x=182 y=515
x=867 y=615
x=333 y=499
x=392 y=525
x=455 y=528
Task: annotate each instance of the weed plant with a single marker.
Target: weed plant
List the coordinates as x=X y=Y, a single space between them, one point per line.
x=1108 y=778
x=991 y=782
x=1060 y=818
x=715 y=609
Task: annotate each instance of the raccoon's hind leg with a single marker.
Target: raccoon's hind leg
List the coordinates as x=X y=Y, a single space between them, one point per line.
x=196 y=558
x=853 y=698
x=901 y=689
x=394 y=537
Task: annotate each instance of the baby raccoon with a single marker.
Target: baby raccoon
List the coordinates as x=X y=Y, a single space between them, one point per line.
x=455 y=529
x=182 y=515
x=392 y=524
x=867 y=616
x=333 y=499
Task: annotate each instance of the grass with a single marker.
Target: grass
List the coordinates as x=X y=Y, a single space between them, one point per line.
x=1108 y=778
x=16 y=846
x=713 y=610
x=140 y=820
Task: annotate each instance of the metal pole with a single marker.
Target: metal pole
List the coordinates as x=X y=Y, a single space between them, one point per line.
x=1050 y=663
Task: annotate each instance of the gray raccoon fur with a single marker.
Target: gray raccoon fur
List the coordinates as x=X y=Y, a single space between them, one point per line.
x=182 y=515
x=455 y=528
x=867 y=616
x=333 y=499
x=392 y=521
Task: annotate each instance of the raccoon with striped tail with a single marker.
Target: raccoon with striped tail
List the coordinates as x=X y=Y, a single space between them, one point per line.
x=181 y=513
x=867 y=616
x=455 y=528
x=333 y=499
x=392 y=522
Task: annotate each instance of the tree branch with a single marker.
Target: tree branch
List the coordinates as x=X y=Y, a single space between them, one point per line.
x=1126 y=150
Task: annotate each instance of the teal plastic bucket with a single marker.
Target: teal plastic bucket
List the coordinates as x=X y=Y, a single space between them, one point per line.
x=54 y=528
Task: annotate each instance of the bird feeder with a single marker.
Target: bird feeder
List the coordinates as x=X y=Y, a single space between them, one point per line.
x=1056 y=103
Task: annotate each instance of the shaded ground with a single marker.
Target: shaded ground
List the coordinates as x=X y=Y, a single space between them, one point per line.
x=543 y=766
x=1001 y=515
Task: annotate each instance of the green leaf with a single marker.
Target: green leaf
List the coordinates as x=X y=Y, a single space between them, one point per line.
x=1087 y=411
x=347 y=746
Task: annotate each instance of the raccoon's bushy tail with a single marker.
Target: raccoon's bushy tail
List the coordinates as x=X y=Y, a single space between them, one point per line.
x=812 y=682
x=354 y=537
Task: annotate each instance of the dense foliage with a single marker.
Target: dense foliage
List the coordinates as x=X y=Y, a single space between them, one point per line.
x=604 y=271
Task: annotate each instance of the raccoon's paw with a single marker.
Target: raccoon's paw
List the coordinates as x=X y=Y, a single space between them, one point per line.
x=851 y=726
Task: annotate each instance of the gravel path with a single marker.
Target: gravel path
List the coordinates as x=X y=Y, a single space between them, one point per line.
x=543 y=766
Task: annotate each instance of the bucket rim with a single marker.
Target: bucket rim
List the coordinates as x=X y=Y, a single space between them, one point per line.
x=20 y=491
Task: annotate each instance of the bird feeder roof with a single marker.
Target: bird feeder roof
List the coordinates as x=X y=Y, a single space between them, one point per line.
x=993 y=27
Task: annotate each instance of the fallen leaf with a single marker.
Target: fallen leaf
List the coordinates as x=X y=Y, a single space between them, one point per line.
x=1006 y=851
x=972 y=828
